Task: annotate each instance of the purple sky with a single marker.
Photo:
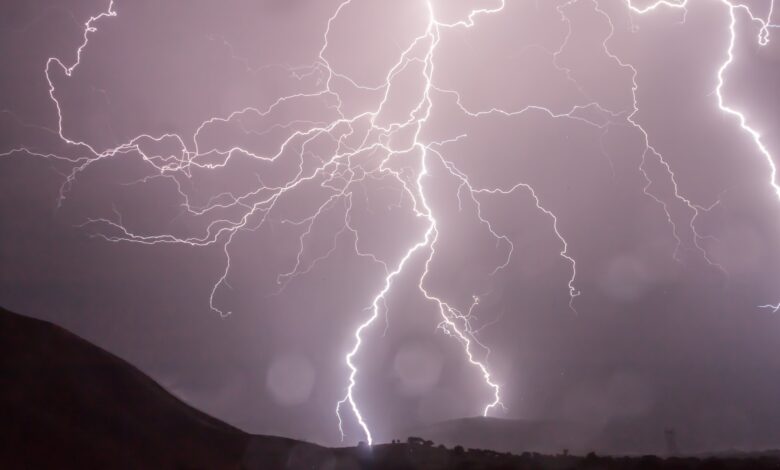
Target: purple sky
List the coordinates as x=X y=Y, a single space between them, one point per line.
x=232 y=255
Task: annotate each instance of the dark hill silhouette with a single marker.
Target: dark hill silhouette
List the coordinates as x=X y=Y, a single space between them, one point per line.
x=65 y=403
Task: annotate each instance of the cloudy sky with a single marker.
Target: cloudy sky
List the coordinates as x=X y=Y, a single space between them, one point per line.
x=222 y=193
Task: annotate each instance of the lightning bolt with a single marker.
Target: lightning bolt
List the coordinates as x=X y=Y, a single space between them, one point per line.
x=366 y=147
x=763 y=38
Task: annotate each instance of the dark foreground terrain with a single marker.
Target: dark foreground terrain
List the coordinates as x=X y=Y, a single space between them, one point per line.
x=65 y=403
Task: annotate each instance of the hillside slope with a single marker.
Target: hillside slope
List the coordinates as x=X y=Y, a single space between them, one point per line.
x=65 y=403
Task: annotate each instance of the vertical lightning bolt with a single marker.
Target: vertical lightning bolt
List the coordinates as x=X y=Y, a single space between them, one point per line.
x=359 y=139
x=419 y=116
x=765 y=24
x=454 y=323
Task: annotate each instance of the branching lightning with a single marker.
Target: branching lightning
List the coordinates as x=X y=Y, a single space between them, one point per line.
x=765 y=24
x=359 y=139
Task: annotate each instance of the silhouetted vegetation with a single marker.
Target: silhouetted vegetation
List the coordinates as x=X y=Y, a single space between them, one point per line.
x=416 y=455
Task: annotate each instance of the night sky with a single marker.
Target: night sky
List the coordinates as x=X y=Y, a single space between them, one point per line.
x=234 y=187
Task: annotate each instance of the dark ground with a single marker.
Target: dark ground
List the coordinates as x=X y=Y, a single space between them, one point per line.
x=65 y=403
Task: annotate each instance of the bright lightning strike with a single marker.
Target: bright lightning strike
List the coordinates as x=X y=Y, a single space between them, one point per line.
x=765 y=24
x=358 y=138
